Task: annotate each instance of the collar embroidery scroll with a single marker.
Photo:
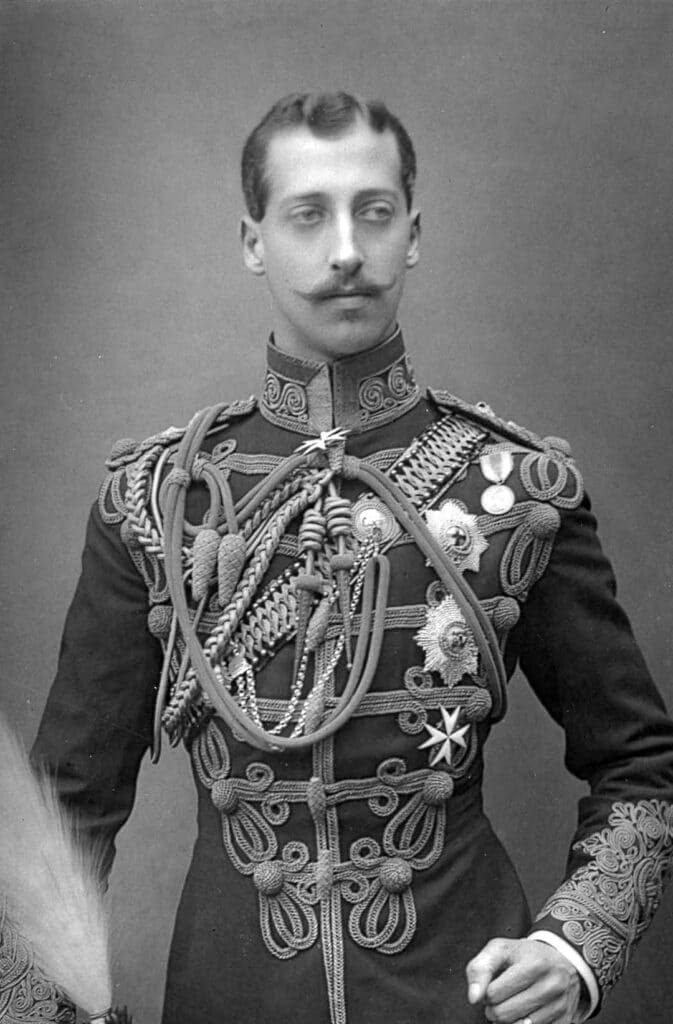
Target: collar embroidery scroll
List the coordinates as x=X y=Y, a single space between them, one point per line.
x=360 y=393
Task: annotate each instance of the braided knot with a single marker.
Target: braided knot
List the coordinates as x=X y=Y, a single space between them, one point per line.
x=349 y=467
x=128 y=535
x=159 y=620
x=478 y=705
x=506 y=614
x=395 y=875
x=437 y=789
x=178 y=477
x=268 y=877
x=200 y=463
x=544 y=521
x=121 y=451
x=558 y=444
x=224 y=796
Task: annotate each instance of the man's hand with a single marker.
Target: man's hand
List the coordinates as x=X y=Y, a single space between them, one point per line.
x=523 y=980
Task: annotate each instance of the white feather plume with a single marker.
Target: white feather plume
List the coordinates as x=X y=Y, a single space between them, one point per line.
x=51 y=882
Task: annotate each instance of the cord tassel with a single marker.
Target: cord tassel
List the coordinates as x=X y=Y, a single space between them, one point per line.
x=318 y=624
x=230 y=562
x=311 y=538
x=339 y=518
x=206 y=544
x=307 y=586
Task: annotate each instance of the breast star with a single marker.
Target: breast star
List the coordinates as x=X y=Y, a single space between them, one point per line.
x=457 y=531
x=449 y=645
x=446 y=738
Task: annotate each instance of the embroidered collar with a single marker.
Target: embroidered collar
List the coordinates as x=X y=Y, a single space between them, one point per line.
x=359 y=393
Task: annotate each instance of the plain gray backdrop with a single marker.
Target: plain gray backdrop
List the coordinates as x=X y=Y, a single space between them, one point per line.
x=543 y=132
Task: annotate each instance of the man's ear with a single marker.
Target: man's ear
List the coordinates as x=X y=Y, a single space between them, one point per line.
x=413 y=252
x=253 y=246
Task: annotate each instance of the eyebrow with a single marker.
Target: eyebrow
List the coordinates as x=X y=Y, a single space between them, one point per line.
x=363 y=195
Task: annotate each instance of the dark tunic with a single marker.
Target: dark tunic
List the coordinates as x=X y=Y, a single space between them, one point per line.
x=354 y=878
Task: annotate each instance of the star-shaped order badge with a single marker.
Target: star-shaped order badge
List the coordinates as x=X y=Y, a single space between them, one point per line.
x=456 y=530
x=442 y=739
x=449 y=645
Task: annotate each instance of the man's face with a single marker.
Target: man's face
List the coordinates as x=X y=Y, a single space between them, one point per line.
x=335 y=241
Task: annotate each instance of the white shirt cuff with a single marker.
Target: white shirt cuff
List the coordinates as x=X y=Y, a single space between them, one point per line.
x=578 y=962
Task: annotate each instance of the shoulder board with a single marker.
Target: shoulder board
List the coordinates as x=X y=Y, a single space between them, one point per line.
x=485 y=417
x=126 y=450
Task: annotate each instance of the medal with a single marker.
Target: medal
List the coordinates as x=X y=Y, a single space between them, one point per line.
x=497 y=499
x=370 y=517
x=496 y=467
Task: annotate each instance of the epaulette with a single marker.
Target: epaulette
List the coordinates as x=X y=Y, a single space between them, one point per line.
x=127 y=450
x=483 y=415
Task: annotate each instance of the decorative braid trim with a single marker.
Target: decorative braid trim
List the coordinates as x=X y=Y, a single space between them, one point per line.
x=26 y=996
x=285 y=402
x=247 y=464
x=126 y=452
x=429 y=464
x=385 y=396
x=302 y=405
x=374 y=878
x=483 y=415
x=608 y=903
x=423 y=471
x=261 y=465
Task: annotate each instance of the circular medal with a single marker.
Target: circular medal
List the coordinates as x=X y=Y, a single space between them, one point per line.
x=498 y=499
x=371 y=516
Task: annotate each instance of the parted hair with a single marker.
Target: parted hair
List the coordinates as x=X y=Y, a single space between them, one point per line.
x=325 y=114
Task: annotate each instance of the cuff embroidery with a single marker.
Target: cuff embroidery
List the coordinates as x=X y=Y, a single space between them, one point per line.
x=26 y=996
x=608 y=902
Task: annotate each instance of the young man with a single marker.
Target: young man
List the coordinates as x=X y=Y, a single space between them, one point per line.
x=323 y=593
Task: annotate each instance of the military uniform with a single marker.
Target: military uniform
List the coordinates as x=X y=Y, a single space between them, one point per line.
x=323 y=594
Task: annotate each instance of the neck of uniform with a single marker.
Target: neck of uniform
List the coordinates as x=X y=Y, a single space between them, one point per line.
x=358 y=393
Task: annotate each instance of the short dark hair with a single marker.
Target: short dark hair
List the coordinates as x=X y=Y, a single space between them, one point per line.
x=325 y=114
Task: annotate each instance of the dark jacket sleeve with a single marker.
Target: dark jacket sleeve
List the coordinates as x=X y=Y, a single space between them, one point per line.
x=98 y=719
x=578 y=652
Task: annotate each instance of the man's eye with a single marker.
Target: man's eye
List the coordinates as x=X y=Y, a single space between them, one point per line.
x=307 y=215
x=376 y=212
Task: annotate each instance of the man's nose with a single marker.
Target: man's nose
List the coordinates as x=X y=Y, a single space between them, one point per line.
x=346 y=254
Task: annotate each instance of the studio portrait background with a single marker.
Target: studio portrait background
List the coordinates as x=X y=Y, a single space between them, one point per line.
x=545 y=155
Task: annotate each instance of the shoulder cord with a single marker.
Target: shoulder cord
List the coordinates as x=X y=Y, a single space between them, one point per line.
x=223 y=702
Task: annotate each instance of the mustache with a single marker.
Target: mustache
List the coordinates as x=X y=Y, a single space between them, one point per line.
x=336 y=289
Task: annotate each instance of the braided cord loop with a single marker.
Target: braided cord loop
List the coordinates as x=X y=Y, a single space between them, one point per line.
x=366 y=655
x=205 y=662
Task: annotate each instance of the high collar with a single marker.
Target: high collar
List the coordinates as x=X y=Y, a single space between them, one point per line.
x=360 y=392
